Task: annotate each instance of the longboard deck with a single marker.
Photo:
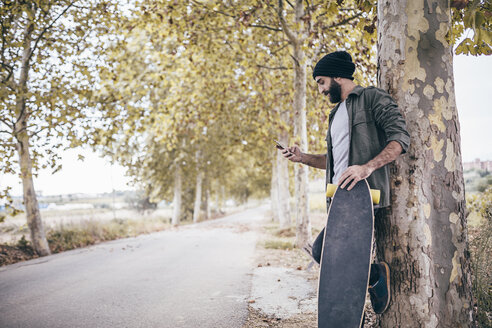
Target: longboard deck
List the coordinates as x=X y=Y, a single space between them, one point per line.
x=346 y=258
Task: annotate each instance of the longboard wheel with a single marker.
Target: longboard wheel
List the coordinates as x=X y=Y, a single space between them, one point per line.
x=375 y=194
x=330 y=190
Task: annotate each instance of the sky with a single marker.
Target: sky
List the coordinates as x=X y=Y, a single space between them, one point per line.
x=93 y=175
x=97 y=175
x=473 y=88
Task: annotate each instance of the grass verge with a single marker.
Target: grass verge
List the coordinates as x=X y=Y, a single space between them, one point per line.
x=278 y=244
x=86 y=233
x=480 y=249
x=64 y=237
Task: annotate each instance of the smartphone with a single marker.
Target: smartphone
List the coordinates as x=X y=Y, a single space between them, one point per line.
x=281 y=146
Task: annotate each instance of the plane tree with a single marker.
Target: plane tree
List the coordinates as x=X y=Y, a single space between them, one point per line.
x=288 y=37
x=44 y=89
x=424 y=235
x=173 y=107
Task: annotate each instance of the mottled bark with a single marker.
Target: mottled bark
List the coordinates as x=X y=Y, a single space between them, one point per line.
x=34 y=222
x=178 y=189
x=423 y=236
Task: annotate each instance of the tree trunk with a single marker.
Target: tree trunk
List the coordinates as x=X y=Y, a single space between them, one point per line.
x=217 y=206
x=423 y=237
x=297 y=37
x=274 y=190
x=303 y=233
x=208 y=213
x=178 y=189
x=34 y=222
x=222 y=199
x=283 y=185
x=198 y=197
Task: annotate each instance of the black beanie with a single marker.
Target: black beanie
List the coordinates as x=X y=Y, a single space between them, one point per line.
x=335 y=64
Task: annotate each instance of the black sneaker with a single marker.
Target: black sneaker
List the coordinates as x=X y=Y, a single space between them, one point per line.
x=380 y=290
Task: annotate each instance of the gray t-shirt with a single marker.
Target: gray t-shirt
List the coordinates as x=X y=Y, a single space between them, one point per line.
x=340 y=141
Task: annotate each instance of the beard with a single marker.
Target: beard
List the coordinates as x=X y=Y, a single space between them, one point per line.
x=334 y=92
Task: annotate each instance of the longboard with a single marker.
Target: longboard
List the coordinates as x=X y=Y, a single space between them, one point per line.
x=346 y=258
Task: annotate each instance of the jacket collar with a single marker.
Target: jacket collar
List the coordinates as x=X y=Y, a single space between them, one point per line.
x=357 y=90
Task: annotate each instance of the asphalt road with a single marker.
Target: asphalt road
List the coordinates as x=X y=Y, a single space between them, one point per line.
x=191 y=276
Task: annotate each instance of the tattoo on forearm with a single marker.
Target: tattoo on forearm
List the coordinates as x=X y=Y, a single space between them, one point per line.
x=387 y=155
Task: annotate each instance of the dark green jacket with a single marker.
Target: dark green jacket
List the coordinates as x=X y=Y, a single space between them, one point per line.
x=375 y=120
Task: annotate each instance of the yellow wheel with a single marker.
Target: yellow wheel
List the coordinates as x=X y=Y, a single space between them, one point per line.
x=330 y=190
x=375 y=195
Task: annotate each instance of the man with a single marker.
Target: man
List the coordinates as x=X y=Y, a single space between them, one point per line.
x=366 y=131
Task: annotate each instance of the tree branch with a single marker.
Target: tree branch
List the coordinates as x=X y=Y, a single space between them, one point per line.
x=3 y=39
x=229 y=44
x=215 y=11
x=7 y=123
x=341 y=9
x=315 y=55
x=285 y=28
x=308 y=13
x=81 y=7
x=295 y=59
x=345 y=21
x=273 y=68
x=279 y=49
x=47 y=28
x=35 y=134
x=9 y=69
x=24 y=73
x=268 y=28
x=26 y=128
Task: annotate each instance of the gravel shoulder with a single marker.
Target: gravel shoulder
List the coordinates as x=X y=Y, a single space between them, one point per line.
x=283 y=292
x=285 y=282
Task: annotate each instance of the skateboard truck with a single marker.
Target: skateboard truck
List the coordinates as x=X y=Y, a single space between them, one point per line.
x=375 y=194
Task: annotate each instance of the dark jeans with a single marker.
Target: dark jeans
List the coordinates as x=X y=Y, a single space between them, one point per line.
x=318 y=246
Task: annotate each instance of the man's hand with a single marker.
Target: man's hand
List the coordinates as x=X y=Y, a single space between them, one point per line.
x=354 y=174
x=293 y=154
